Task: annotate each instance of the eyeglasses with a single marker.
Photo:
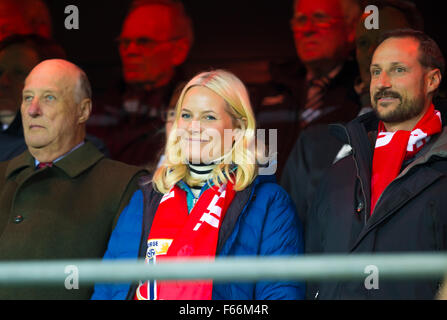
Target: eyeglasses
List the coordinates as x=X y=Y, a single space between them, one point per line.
x=142 y=42
x=319 y=20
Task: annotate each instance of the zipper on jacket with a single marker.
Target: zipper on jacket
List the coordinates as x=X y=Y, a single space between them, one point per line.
x=358 y=175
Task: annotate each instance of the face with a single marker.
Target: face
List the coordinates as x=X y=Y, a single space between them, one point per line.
x=367 y=40
x=16 y=62
x=399 y=83
x=147 y=45
x=319 y=31
x=202 y=125
x=49 y=112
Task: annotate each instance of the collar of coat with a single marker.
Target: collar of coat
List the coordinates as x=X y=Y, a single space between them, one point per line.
x=73 y=164
x=359 y=130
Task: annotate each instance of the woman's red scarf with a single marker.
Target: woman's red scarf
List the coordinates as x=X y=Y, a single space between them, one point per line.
x=175 y=233
x=393 y=148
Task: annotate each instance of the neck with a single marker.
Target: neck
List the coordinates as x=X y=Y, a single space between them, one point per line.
x=407 y=125
x=200 y=171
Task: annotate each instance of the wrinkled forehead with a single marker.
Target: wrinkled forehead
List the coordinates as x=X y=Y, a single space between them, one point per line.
x=153 y=21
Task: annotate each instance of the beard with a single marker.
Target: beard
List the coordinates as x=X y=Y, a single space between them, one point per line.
x=407 y=108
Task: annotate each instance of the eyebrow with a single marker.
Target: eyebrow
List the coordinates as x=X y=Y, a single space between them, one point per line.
x=206 y=111
x=392 y=64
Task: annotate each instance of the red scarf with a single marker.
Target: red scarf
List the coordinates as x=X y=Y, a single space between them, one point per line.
x=393 y=148
x=175 y=233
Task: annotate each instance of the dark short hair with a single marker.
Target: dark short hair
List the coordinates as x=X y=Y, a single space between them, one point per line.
x=44 y=48
x=430 y=56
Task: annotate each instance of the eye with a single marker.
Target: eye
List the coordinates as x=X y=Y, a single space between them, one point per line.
x=27 y=98
x=375 y=72
x=185 y=115
x=399 y=69
x=210 y=117
x=50 y=97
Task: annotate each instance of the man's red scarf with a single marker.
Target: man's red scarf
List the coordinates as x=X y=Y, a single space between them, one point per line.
x=175 y=233
x=393 y=148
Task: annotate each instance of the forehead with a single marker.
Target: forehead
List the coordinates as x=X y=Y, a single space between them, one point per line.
x=397 y=50
x=54 y=77
x=152 y=21
x=308 y=7
x=202 y=97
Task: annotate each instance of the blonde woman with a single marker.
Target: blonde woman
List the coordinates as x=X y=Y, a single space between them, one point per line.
x=207 y=199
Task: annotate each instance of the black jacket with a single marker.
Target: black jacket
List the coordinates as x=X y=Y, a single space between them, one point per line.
x=278 y=104
x=410 y=216
x=12 y=142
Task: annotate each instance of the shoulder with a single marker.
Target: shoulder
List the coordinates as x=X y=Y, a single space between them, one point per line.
x=269 y=194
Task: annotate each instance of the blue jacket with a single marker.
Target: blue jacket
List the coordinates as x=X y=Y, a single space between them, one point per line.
x=260 y=221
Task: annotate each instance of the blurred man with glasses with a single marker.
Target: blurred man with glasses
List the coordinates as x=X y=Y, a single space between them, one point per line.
x=155 y=40
x=319 y=87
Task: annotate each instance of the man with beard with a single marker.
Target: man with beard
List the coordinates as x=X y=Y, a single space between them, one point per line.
x=387 y=194
x=316 y=149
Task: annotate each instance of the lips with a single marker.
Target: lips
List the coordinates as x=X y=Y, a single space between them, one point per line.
x=35 y=126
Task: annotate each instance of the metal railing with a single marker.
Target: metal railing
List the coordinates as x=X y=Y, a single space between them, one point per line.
x=303 y=268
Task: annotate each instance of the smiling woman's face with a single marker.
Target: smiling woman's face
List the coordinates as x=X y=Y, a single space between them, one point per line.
x=204 y=125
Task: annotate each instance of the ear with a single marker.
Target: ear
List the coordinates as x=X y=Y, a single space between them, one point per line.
x=434 y=78
x=180 y=51
x=85 y=109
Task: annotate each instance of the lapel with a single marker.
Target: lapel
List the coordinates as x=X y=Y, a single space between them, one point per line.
x=80 y=160
x=75 y=163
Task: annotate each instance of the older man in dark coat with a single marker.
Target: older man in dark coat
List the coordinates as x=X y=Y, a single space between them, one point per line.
x=59 y=199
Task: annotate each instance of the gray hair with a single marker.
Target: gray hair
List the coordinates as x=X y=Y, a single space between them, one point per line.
x=83 y=87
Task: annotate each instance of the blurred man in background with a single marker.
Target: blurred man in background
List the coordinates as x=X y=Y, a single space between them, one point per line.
x=155 y=40
x=319 y=87
x=24 y=17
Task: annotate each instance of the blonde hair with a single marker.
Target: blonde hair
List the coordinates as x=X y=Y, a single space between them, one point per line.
x=242 y=154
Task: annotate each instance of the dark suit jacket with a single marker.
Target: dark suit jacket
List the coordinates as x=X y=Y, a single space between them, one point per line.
x=63 y=212
x=280 y=104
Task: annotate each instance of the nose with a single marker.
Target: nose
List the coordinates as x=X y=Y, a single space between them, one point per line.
x=194 y=127
x=34 y=109
x=131 y=49
x=383 y=80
